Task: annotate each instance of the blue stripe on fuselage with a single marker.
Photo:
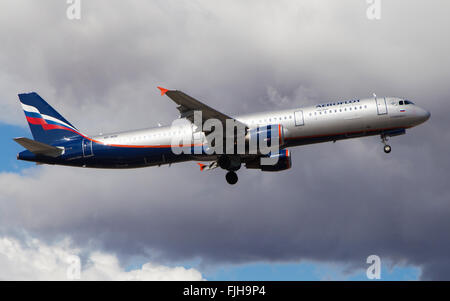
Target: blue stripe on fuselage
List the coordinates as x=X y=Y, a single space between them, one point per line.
x=107 y=156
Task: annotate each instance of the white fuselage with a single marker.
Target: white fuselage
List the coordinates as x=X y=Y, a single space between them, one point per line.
x=331 y=121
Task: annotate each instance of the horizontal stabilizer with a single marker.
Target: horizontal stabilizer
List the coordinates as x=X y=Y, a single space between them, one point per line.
x=40 y=148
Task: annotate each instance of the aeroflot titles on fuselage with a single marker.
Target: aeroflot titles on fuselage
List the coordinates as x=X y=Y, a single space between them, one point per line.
x=336 y=103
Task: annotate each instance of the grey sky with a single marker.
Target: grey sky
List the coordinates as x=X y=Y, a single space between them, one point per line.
x=340 y=202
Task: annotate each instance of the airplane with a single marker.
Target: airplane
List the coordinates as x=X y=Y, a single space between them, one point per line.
x=58 y=142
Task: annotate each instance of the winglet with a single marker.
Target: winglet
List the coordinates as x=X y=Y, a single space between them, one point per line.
x=163 y=91
x=202 y=166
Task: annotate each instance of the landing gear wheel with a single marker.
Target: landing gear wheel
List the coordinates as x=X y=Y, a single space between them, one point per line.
x=231 y=177
x=387 y=147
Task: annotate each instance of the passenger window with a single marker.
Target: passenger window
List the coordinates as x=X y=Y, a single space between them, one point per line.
x=400 y=102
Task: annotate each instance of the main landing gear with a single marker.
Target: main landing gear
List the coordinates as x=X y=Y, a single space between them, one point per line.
x=231 y=177
x=231 y=164
x=387 y=147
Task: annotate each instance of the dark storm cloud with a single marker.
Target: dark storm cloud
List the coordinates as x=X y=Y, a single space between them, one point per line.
x=340 y=202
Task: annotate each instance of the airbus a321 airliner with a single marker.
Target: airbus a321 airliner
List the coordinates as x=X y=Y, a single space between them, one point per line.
x=57 y=141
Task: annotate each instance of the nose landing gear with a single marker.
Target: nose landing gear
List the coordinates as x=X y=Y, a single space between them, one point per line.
x=387 y=147
x=231 y=177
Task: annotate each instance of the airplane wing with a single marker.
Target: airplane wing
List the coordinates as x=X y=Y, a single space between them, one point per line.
x=187 y=105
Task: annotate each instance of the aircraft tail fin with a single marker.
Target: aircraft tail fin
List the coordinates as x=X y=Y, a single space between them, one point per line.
x=40 y=148
x=46 y=124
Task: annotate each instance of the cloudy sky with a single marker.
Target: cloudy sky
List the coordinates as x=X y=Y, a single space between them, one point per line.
x=321 y=219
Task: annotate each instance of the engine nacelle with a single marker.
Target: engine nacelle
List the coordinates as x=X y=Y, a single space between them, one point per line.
x=284 y=162
x=268 y=133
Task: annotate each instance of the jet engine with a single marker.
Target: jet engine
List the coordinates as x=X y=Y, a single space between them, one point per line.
x=268 y=133
x=284 y=162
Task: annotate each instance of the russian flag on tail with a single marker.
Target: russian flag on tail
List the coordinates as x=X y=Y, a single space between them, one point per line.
x=46 y=124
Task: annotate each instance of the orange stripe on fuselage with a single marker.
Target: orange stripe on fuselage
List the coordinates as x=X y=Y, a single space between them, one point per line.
x=288 y=161
x=279 y=134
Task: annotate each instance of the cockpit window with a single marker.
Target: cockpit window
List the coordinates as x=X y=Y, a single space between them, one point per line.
x=400 y=102
x=407 y=102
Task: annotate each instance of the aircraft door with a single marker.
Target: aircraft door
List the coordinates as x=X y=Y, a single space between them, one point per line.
x=298 y=116
x=381 y=106
x=86 y=146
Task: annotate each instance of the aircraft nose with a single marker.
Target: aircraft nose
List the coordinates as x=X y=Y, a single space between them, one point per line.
x=423 y=115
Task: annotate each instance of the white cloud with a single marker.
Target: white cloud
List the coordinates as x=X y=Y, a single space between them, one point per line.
x=36 y=260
